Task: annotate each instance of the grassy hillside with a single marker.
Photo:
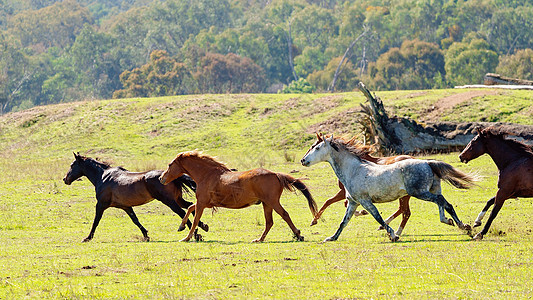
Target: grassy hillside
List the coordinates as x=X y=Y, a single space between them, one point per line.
x=256 y=129
x=42 y=221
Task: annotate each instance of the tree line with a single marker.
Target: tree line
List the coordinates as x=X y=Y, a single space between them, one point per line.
x=58 y=51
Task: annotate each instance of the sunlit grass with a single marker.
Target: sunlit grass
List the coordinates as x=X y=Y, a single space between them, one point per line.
x=43 y=221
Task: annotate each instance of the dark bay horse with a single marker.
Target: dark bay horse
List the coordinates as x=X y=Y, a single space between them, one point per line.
x=218 y=186
x=403 y=208
x=515 y=165
x=367 y=183
x=116 y=187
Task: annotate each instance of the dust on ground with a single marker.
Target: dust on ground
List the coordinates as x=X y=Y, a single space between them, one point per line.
x=449 y=102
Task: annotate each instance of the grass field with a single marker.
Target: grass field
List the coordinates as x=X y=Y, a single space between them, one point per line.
x=43 y=221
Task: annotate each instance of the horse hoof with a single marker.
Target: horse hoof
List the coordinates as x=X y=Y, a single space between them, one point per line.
x=477 y=224
x=198 y=237
x=329 y=239
x=257 y=241
x=299 y=238
x=478 y=237
x=394 y=239
x=467 y=227
x=184 y=240
x=381 y=228
x=146 y=239
x=181 y=228
x=314 y=222
x=85 y=240
x=450 y=222
x=204 y=227
x=364 y=212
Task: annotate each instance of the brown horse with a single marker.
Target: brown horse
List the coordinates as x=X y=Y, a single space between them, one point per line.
x=404 y=201
x=116 y=187
x=218 y=186
x=515 y=165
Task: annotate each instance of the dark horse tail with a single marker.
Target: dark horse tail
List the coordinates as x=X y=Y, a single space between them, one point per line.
x=289 y=183
x=185 y=183
x=452 y=175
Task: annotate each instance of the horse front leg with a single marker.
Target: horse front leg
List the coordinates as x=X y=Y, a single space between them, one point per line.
x=500 y=198
x=269 y=221
x=100 y=207
x=350 y=210
x=135 y=220
x=197 y=216
x=477 y=222
x=186 y=217
x=371 y=208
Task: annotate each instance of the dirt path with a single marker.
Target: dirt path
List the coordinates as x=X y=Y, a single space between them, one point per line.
x=449 y=102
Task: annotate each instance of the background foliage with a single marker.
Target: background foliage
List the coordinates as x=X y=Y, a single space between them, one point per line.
x=60 y=51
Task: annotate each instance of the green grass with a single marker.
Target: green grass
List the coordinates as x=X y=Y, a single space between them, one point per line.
x=43 y=221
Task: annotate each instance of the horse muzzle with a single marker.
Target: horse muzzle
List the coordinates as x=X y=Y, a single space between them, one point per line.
x=66 y=181
x=304 y=162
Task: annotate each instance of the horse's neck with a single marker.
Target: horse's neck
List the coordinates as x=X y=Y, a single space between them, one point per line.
x=93 y=172
x=501 y=153
x=198 y=168
x=344 y=163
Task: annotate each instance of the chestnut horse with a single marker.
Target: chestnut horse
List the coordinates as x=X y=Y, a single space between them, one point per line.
x=116 y=187
x=515 y=165
x=218 y=186
x=404 y=201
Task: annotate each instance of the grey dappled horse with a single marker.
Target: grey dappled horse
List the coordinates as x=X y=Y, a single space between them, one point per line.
x=367 y=183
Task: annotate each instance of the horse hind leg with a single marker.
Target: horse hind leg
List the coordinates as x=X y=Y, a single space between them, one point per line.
x=285 y=215
x=406 y=213
x=443 y=205
x=135 y=220
x=338 y=197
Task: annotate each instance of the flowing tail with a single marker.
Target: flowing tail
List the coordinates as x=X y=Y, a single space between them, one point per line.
x=185 y=183
x=452 y=175
x=290 y=183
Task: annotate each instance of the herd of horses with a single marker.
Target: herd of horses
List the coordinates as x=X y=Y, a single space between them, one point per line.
x=363 y=180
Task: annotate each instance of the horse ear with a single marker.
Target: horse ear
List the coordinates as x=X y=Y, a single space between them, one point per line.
x=76 y=156
x=318 y=137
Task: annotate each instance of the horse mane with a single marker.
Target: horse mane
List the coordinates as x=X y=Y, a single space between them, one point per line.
x=501 y=136
x=101 y=164
x=353 y=146
x=205 y=158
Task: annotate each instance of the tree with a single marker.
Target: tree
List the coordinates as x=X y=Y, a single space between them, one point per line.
x=52 y=26
x=346 y=80
x=162 y=76
x=467 y=62
x=229 y=73
x=415 y=65
x=518 y=65
x=15 y=72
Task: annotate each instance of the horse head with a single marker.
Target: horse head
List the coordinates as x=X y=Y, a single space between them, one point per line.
x=75 y=170
x=476 y=147
x=319 y=151
x=173 y=171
